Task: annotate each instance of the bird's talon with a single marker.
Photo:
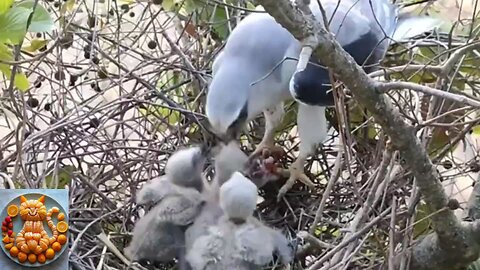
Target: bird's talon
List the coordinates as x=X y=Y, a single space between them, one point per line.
x=262 y=149
x=306 y=180
x=294 y=174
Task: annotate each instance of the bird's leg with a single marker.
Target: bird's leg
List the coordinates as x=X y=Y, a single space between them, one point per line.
x=296 y=172
x=273 y=117
x=312 y=129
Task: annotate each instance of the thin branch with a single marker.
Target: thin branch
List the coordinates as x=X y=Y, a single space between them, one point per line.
x=384 y=87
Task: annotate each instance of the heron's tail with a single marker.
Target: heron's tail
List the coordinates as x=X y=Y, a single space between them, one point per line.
x=409 y=26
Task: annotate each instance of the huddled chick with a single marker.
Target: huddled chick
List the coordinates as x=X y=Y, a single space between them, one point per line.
x=238 y=240
x=159 y=236
x=228 y=160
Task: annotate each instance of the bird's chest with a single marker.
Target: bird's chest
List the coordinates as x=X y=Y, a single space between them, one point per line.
x=266 y=94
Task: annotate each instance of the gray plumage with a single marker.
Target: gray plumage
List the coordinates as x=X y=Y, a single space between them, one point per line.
x=159 y=235
x=238 y=241
x=228 y=160
x=184 y=169
x=248 y=78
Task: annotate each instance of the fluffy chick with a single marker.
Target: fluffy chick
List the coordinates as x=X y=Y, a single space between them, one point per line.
x=184 y=169
x=238 y=241
x=159 y=235
x=228 y=160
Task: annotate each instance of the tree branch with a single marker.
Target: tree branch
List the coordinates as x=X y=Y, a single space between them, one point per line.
x=451 y=236
x=385 y=87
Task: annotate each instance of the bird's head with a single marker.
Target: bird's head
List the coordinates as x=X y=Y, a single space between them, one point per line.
x=227 y=104
x=185 y=167
x=312 y=86
x=238 y=197
x=229 y=159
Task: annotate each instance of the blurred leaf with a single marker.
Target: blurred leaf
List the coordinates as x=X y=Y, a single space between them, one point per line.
x=13 y=25
x=476 y=130
x=474 y=265
x=41 y=20
x=5 y=53
x=35 y=45
x=168 y=5
x=219 y=23
x=70 y=5
x=20 y=81
x=188 y=6
x=64 y=176
x=422 y=223
x=459 y=83
x=250 y=5
x=5 y=5
x=172 y=116
x=439 y=140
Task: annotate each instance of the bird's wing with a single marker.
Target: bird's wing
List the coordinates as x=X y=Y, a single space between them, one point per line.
x=410 y=26
x=208 y=217
x=155 y=190
x=207 y=249
x=179 y=209
x=253 y=244
x=154 y=241
x=283 y=248
x=341 y=23
x=217 y=63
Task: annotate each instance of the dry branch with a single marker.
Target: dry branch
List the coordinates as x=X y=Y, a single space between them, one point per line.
x=452 y=244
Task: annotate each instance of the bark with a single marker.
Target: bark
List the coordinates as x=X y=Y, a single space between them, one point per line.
x=452 y=244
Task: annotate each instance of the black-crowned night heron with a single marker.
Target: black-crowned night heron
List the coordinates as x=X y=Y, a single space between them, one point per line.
x=238 y=241
x=248 y=78
x=159 y=235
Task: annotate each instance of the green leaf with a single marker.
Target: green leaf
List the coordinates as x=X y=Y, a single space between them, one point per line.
x=168 y=5
x=219 y=23
x=422 y=221
x=474 y=265
x=250 y=5
x=5 y=53
x=20 y=81
x=476 y=130
x=172 y=116
x=70 y=5
x=13 y=25
x=41 y=20
x=64 y=176
x=5 y=5
x=35 y=44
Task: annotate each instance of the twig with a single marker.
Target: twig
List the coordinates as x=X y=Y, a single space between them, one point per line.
x=313 y=240
x=347 y=241
x=385 y=87
x=336 y=171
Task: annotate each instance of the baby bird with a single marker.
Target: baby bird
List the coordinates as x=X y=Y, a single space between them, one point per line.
x=228 y=160
x=183 y=170
x=159 y=235
x=238 y=241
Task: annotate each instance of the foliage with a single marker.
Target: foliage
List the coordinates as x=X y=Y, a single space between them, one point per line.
x=16 y=19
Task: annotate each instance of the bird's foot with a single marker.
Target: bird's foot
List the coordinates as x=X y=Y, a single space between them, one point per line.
x=266 y=150
x=264 y=145
x=296 y=173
